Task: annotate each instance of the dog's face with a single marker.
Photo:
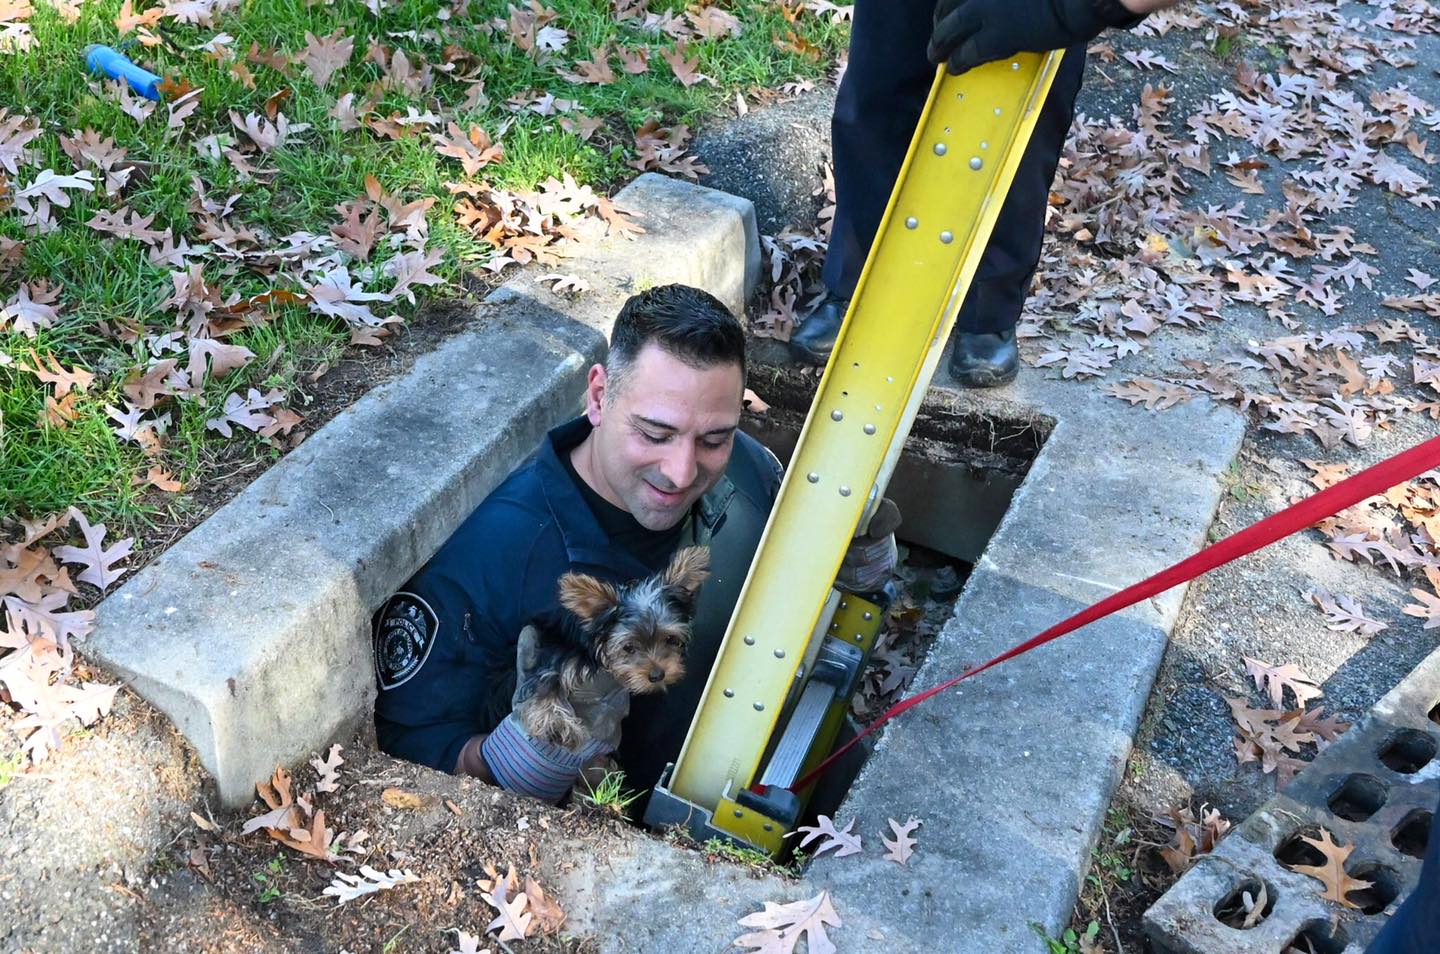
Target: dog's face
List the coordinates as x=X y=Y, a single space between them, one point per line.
x=640 y=630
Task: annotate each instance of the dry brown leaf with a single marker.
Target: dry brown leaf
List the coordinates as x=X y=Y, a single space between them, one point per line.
x=903 y=845
x=843 y=841
x=782 y=926
x=1276 y=679
x=1331 y=873
x=548 y=916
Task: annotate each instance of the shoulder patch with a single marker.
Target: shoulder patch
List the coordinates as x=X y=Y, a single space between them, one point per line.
x=403 y=639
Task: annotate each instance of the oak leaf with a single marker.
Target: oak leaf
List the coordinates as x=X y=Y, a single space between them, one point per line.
x=1428 y=608
x=99 y=562
x=329 y=769
x=323 y=56
x=842 y=841
x=513 y=921
x=348 y=887
x=1276 y=679
x=1331 y=873
x=903 y=845
x=783 y=925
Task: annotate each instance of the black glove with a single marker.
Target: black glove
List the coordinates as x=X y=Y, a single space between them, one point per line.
x=971 y=32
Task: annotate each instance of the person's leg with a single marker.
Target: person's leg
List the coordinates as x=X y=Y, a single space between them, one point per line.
x=876 y=109
x=985 y=353
x=1415 y=927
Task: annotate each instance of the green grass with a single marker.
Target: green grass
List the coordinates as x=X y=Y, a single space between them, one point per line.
x=610 y=794
x=110 y=284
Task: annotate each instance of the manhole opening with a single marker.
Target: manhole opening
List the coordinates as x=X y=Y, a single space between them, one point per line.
x=1238 y=908
x=1413 y=833
x=1317 y=937
x=1384 y=886
x=1358 y=797
x=1408 y=751
x=953 y=484
x=1435 y=713
x=1294 y=850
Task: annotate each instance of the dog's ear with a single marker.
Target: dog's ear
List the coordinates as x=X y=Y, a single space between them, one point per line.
x=689 y=567
x=586 y=596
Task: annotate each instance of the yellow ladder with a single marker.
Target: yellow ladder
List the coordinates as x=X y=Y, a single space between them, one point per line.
x=794 y=647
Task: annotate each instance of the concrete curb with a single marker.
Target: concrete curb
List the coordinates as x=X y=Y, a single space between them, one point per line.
x=253 y=632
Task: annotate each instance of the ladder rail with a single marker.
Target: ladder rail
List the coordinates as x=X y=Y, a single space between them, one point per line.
x=960 y=163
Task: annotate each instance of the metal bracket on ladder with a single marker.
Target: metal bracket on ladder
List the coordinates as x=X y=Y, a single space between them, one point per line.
x=789 y=660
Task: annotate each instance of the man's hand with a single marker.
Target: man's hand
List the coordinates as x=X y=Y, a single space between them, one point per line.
x=537 y=767
x=872 y=556
x=971 y=32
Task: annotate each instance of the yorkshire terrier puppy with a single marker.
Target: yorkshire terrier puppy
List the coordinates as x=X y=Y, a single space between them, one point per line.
x=637 y=632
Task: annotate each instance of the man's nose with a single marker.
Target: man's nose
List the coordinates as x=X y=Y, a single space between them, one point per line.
x=657 y=674
x=678 y=467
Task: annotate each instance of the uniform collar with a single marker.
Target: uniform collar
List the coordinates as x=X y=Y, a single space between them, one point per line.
x=585 y=542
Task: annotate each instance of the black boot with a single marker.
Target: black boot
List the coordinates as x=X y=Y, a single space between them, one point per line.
x=982 y=360
x=815 y=339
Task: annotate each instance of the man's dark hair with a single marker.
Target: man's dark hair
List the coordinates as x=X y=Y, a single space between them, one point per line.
x=685 y=322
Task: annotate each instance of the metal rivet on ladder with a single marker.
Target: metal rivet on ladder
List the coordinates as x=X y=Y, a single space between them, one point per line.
x=837 y=415
x=729 y=693
x=739 y=813
x=939 y=149
x=997 y=110
x=834 y=626
x=912 y=223
x=869 y=615
x=844 y=491
x=976 y=162
x=869 y=428
x=769 y=827
x=779 y=654
x=859 y=637
x=844 y=605
x=947 y=236
x=984 y=144
x=813 y=477
x=1014 y=66
x=749 y=640
x=759 y=707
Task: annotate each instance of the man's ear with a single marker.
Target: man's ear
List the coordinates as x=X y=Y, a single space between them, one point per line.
x=689 y=567
x=596 y=384
x=586 y=596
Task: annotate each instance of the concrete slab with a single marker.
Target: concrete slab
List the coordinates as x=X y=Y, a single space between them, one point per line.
x=252 y=632
x=1390 y=756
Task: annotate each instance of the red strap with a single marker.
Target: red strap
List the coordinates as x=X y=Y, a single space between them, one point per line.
x=1311 y=510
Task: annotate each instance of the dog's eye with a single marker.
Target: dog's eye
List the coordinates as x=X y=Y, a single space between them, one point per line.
x=628 y=648
x=672 y=640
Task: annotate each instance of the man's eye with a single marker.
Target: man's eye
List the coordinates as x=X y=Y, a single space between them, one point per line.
x=715 y=445
x=652 y=439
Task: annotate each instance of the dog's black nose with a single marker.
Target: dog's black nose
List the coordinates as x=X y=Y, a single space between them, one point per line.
x=657 y=675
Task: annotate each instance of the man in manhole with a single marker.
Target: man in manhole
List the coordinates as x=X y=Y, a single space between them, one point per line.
x=656 y=463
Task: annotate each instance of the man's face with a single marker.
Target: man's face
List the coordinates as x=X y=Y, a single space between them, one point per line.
x=663 y=438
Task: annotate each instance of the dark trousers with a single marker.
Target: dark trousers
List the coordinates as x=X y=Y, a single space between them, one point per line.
x=876 y=109
x=1415 y=927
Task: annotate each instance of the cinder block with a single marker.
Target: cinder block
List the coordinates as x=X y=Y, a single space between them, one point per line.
x=1375 y=788
x=252 y=633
